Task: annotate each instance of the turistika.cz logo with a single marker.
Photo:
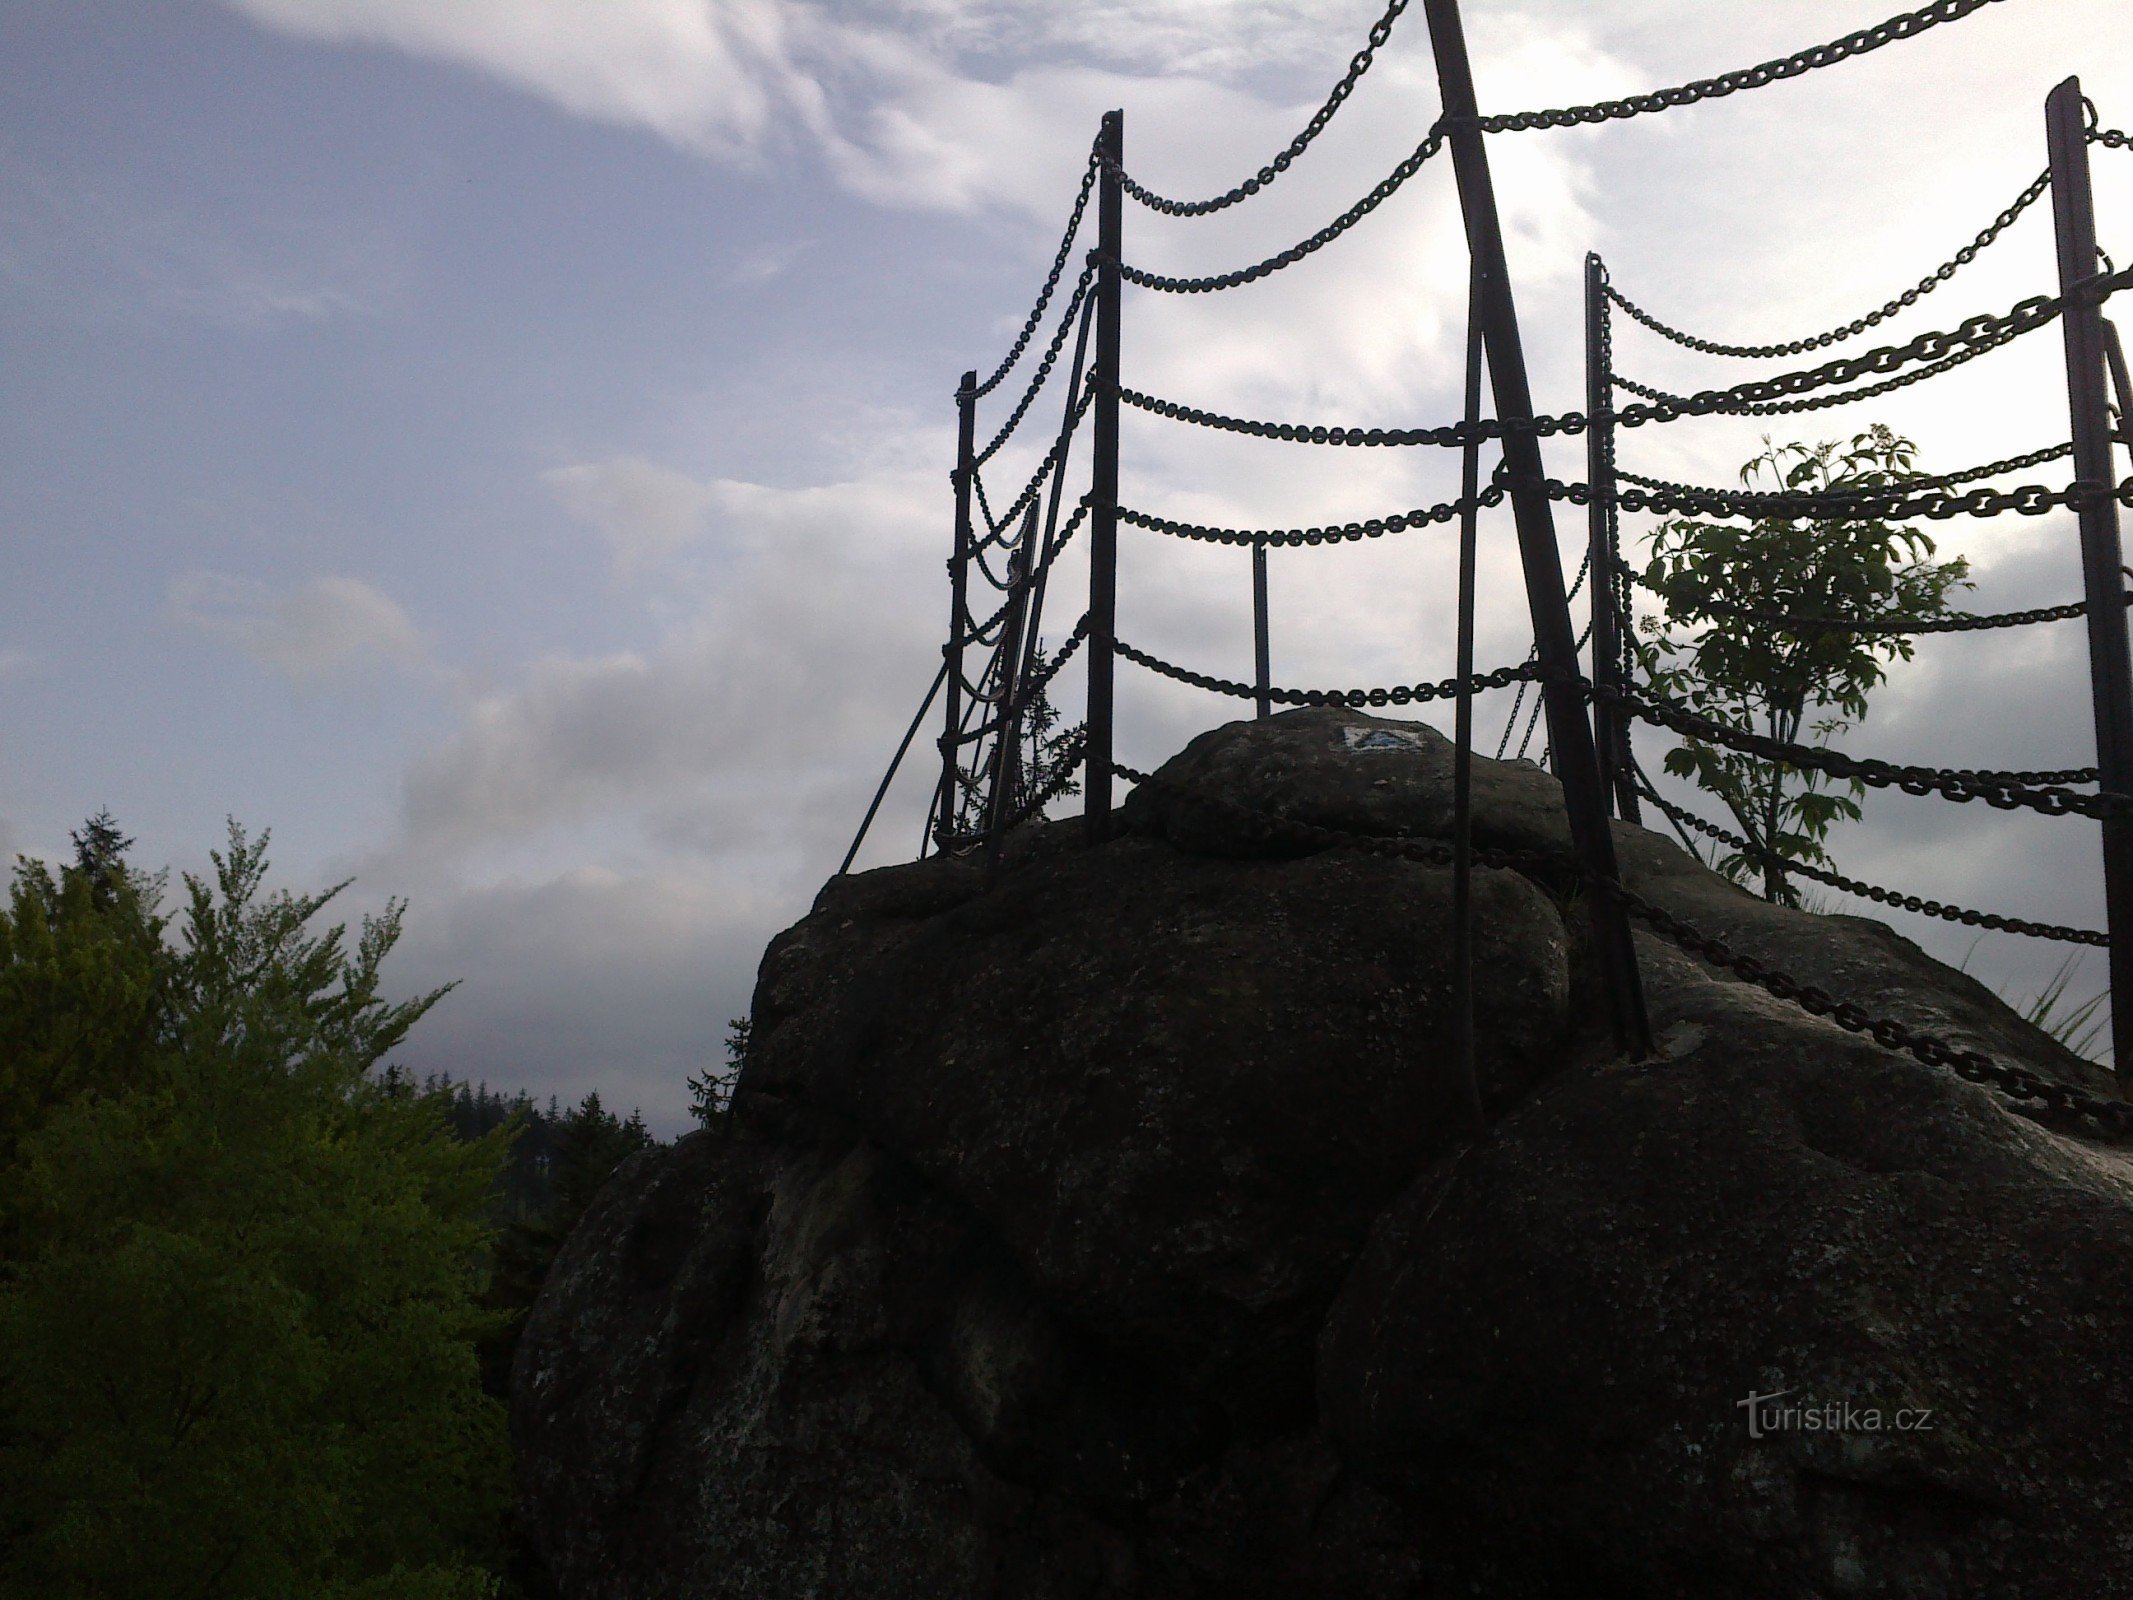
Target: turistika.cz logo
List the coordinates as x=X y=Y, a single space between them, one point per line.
x=1768 y=1414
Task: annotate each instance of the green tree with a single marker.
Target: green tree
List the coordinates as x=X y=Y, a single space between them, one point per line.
x=711 y=1091
x=239 y=1269
x=1766 y=678
x=588 y=1144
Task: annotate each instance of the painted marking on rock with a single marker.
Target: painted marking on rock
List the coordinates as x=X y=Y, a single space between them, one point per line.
x=1380 y=739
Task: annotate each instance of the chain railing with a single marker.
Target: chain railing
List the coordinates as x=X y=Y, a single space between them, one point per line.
x=1792 y=866
x=1858 y=325
x=1380 y=31
x=2112 y=1119
x=1595 y=760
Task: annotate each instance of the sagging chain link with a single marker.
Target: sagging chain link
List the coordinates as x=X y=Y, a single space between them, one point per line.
x=1399 y=695
x=1044 y=369
x=1071 y=760
x=2112 y=1119
x=1034 y=685
x=1905 y=26
x=1953 y=347
x=1869 y=891
x=1035 y=486
x=1386 y=189
x=1975 y=335
x=1346 y=532
x=1779 y=408
x=1960 y=622
x=979 y=633
x=1821 y=341
x=1040 y=679
x=1380 y=31
x=1051 y=283
x=2004 y=791
x=1938 y=480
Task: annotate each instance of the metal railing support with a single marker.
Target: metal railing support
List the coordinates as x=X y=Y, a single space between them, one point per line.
x=1463 y=736
x=1569 y=734
x=1262 y=670
x=2103 y=581
x=966 y=431
x=1103 y=478
x=1610 y=724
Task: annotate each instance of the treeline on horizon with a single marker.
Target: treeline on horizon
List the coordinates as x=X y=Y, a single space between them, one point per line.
x=260 y=1287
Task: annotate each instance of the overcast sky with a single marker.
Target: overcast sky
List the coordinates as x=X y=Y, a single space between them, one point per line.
x=501 y=445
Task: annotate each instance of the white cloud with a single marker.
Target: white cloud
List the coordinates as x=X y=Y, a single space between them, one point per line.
x=716 y=77
x=647 y=513
x=745 y=732
x=327 y=628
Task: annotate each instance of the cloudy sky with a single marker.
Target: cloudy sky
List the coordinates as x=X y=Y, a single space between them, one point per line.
x=501 y=446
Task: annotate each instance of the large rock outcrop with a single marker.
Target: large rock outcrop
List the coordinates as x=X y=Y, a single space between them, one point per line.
x=1102 y=1224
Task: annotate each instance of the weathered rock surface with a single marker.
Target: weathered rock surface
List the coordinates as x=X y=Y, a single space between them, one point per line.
x=1100 y=1226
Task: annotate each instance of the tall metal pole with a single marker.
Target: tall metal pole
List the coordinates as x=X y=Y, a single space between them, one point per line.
x=966 y=431
x=1463 y=737
x=1103 y=479
x=1569 y=734
x=2103 y=583
x=1262 y=678
x=1610 y=728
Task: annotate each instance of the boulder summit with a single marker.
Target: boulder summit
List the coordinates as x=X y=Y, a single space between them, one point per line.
x=1099 y=1223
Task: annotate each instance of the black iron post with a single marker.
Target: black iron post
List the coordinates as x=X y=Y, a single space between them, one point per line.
x=1569 y=734
x=2103 y=583
x=1463 y=736
x=1103 y=480
x=966 y=431
x=1262 y=678
x=1610 y=727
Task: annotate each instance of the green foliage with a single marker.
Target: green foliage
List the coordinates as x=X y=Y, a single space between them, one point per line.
x=587 y=1145
x=1763 y=678
x=711 y=1091
x=238 y=1269
x=2074 y=1024
x=1042 y=750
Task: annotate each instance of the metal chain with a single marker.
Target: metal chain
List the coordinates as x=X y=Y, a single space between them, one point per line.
x=979 y=633
x=2004 y=791
x=1886 y=505
x=1051 y=283
x=1960 y=622
x=1035 y=486
x=2111 y=138
x=1906 y=26
x=2112 y=1119
x=1975 y=336
x=1380 y=31
x=1894 y=503
x=1780 y=408
x=1399 y=695
x=1869 y=891
x=1941 y=480
x=1385 y=190
x=1910 y=297
x=1376 y=527
x=1062 y=773
x=1044 y=369
x=1038 y=680
x=1041 y=678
